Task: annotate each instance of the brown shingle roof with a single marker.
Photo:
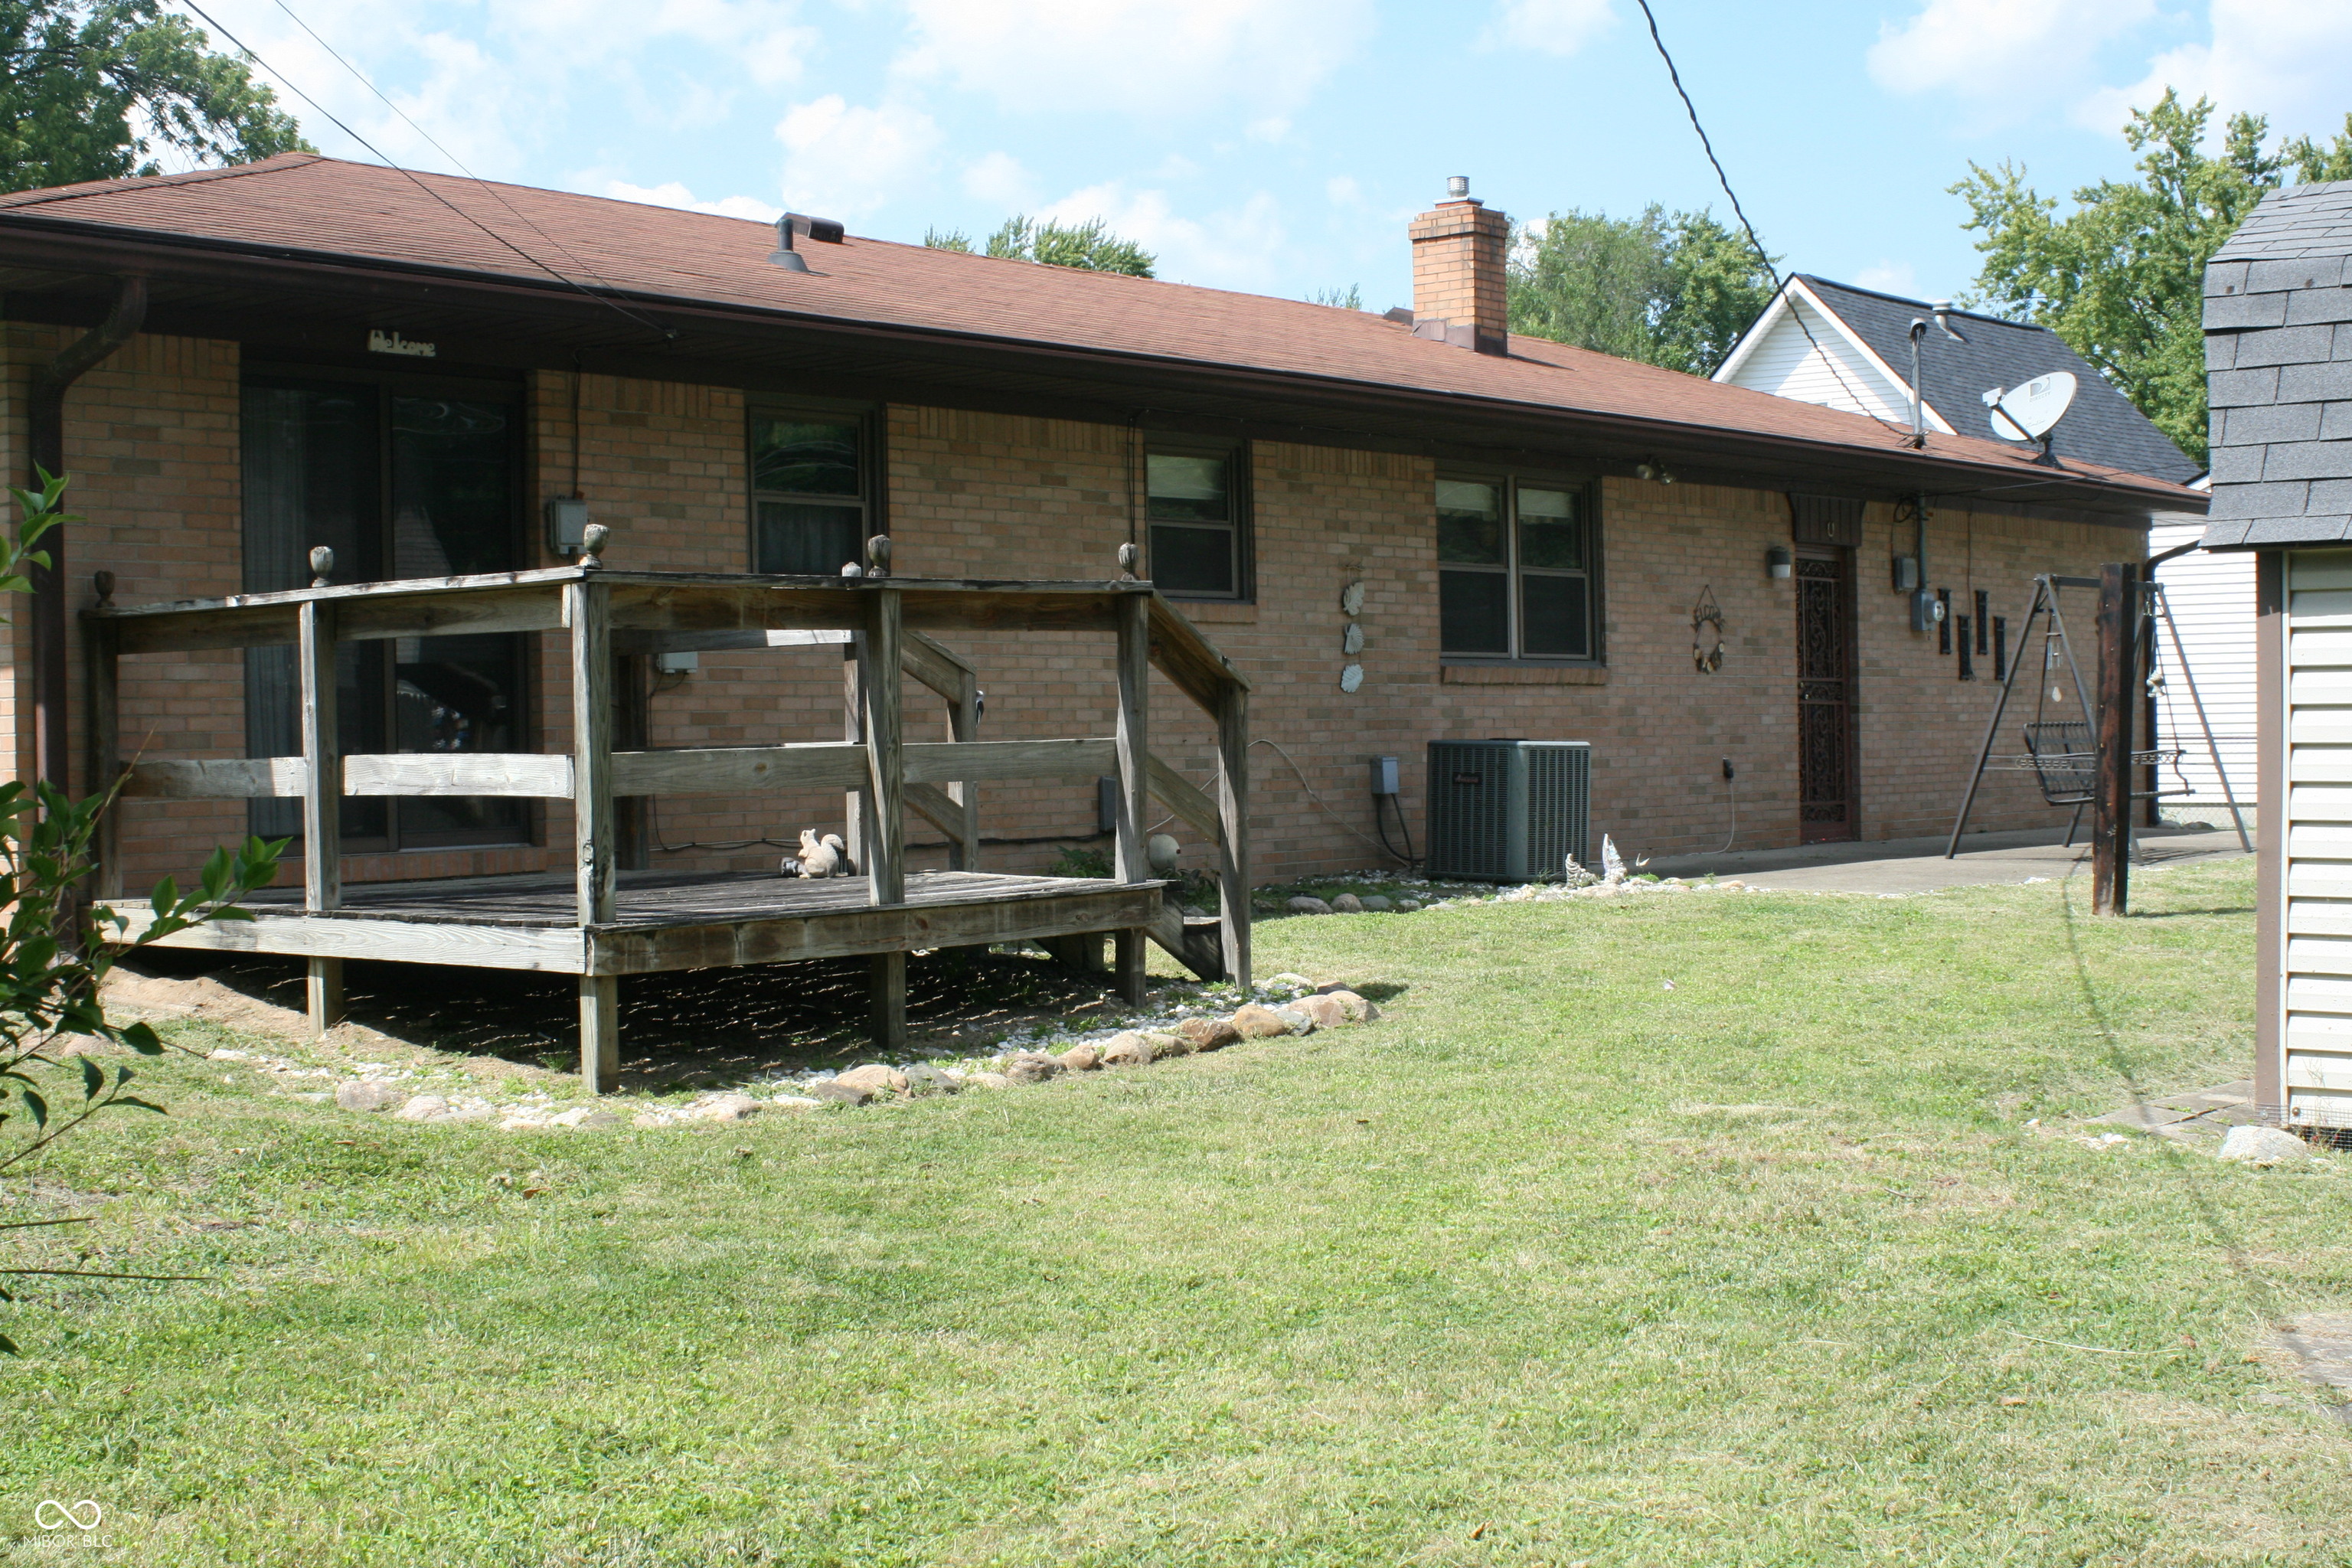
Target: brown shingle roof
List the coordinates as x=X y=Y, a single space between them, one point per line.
x=328 y=207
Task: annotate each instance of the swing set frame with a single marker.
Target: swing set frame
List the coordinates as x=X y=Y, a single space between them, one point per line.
x=2068 y=776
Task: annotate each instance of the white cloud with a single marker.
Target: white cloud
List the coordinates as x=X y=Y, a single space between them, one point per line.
x=842 y=161
x=674 y=193
x=2285 y=58
x=1145 y=57
x=1342 y=191
x=1555 y=27
x=999 y=177
x=1889 y=277
x=1239 y=248
x=2000 y=52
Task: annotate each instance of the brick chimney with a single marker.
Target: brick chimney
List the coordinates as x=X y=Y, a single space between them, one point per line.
x=1459 y=294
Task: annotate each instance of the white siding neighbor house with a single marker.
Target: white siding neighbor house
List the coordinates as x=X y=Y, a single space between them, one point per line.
x=2278 y=356
x=1849 y=348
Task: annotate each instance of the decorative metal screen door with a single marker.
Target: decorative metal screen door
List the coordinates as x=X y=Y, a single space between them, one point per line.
x=1826 y=808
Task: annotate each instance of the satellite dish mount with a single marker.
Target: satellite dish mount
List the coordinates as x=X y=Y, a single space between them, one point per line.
x=2031 y=410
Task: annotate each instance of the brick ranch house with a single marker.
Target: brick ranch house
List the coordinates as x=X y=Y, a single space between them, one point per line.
x=409 y=368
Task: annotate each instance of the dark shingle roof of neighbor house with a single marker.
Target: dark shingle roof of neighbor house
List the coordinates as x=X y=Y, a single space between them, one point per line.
x=349 y=220
x=2102 y=426
x=2278 y=359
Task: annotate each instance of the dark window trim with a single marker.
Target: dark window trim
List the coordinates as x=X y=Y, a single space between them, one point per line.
x=1241 y=456
x=873 y=462
x=398 y=381
x=1596 y=574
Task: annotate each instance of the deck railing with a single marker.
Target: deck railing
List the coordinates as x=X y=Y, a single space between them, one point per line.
x=881 y=622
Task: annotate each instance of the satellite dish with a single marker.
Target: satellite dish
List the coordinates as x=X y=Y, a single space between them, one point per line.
x=2026 y=412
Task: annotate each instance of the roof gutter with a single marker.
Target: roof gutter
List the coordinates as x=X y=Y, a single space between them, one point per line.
x=46 y=442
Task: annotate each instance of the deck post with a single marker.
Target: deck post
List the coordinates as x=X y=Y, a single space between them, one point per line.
x=587 y=609
x=632 y=731
x=856 y=820
x=105 y=752
x=1133 y=856
x=886 y=836
x=1232 y=812
x=963 y=724
x=322 y=804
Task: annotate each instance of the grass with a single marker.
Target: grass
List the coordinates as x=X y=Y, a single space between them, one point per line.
x=1554 y=1265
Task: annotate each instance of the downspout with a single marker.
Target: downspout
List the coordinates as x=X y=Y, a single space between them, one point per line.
x=46 y=440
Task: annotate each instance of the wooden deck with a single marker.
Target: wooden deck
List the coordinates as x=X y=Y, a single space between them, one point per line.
x=611 y=916
x=666 y=920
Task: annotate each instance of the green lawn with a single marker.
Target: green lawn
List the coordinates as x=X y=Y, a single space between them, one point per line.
x=1554 y=1265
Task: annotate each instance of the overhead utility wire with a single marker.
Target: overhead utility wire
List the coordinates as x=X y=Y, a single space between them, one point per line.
x=1796 y=311
x=489 y=189
x=410 y=175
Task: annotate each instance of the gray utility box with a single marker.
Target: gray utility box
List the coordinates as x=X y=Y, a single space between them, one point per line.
x=1508 y=811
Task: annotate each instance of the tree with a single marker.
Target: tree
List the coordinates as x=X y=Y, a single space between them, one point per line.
x=1090 y=245
x=1667 y=288
x=2122 y=277
x=55 y=953
x=96 y=90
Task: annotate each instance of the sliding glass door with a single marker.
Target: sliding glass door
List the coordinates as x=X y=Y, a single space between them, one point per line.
x=400 y=480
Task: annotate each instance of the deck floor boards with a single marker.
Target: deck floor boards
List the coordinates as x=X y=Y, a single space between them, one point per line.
x=658 y=898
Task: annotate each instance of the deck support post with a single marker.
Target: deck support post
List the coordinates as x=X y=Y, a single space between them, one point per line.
x=1127 y=956
x=1133 y=854
x=883 y=688
x=587 y=609
x=600 y=1033
x=322 y=804
x=885 y=994
x=1232 y=812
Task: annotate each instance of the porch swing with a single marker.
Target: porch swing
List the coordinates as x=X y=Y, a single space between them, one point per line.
x=2062 y=753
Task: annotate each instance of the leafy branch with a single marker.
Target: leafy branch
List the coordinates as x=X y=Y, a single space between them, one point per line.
x=56 y=952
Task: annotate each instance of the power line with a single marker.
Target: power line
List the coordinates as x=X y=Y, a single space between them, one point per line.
x=410 y=176
x=488 y=189
x=1779 y=288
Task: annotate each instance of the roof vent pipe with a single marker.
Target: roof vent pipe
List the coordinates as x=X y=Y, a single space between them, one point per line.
x=1457 y=186
x=784 y=255
x=824 y=230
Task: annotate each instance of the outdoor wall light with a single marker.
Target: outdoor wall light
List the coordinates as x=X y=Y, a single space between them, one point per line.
x=1779 y=563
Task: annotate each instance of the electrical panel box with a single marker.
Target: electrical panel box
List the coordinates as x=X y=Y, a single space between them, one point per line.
x=1906 y=574
x=567 y=525
x=1508 y=810
x=1385 y=775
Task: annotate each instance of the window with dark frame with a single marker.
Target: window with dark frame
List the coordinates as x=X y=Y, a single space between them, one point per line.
x=1196 y=509
x=811 y=489
x=1517 y=570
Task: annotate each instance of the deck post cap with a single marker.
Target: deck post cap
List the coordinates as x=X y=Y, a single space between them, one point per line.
x=104 y=582
x=593 y=540
x=877 y=556
x=1130 y=557
x=323 y=566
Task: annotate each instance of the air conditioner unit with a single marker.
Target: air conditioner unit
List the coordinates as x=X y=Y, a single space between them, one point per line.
x=1508 y=811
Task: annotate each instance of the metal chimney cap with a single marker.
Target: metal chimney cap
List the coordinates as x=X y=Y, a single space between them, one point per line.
x=1457 y=186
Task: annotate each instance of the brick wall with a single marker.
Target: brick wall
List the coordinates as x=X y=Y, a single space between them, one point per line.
x=152 y=436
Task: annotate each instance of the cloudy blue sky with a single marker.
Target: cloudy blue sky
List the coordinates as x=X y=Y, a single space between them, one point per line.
x=1279 y=145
